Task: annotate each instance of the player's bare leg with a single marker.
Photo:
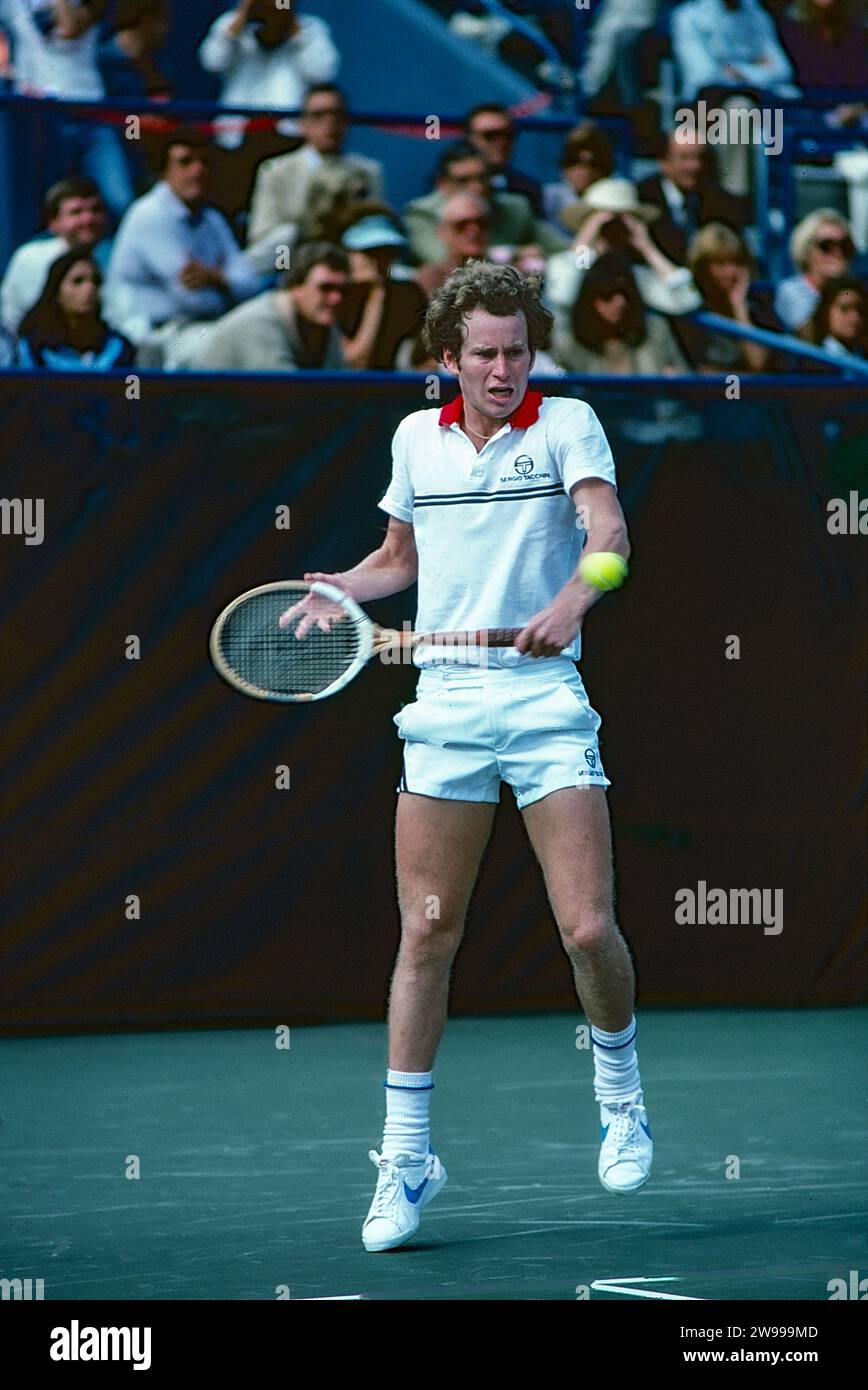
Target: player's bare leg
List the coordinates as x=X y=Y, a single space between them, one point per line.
x=571 y=835
x=570 y=832
x=438 y=849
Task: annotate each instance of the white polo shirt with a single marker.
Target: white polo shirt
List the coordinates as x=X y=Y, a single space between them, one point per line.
x=495 y=531
x=47 y=64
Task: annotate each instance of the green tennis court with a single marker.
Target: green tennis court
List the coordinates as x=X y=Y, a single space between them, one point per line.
x=254 y=1176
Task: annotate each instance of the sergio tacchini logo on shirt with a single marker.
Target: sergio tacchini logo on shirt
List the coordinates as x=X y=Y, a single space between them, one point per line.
x=523 y=467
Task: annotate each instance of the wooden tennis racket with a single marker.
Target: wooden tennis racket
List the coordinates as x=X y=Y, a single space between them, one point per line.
x=263 y=658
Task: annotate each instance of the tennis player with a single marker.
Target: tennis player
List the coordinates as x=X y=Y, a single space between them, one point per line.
x=491 y=502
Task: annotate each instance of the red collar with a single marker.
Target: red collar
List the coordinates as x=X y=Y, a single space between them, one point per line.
x=525 y=414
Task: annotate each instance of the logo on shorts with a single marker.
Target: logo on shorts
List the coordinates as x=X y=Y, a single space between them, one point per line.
x=590 y=758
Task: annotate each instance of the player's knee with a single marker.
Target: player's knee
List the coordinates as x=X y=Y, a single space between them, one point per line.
x=431 y=937
x=587 y=930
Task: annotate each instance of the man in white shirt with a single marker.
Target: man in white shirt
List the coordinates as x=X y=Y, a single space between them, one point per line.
x=74 y=214
x=283 y=185
x=728 y=43
x=267 y=57
x=55 y=52
x=176 y=265
x=492 y=501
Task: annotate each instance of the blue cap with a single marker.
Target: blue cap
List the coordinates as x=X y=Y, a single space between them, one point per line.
x=371 y=232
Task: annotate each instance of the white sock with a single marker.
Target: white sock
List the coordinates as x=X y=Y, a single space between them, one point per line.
x=408 y=1101
x=616 y=1066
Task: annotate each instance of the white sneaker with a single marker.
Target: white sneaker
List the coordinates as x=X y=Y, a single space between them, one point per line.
x=405 y=1185
x=627 y=1148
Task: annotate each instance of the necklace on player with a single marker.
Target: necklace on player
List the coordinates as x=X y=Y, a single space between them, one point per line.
x=486 y=437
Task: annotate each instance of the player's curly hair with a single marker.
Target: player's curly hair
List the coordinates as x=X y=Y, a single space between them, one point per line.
x=499 y=289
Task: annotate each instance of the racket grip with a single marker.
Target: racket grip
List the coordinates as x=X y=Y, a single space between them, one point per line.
x=483 y=637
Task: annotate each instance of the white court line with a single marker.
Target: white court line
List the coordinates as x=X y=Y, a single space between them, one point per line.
x=330 y=1298
x=803 y=1220
x=616 y=1286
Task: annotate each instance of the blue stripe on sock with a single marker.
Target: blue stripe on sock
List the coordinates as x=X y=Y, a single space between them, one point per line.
x=392 y=1087
x=613 y=1047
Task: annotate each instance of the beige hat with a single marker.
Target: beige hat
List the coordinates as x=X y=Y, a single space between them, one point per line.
x=607 y=195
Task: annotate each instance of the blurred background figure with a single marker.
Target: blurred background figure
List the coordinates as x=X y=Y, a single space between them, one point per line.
x=175 y=263
x=462 y=169
x=55 y=48
x=491 y=129
x=728 y=52
x=687 y=196
x=293 y=328
x=828 y=48
x=282 y=193
x=610 y=332
x=821 y=245
x=464 y=228
x=722 y=269
x=611 y=217
x=380 y=317
x=268 y=58
x=138 y=30
x=722 y=44
x=840 y=321
x=612 y=51
x=585 y=158
x=65 y=330
x=74 y=214
x=8 y=350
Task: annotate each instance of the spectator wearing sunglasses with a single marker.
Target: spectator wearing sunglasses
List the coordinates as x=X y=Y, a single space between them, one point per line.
x=464 y=228
x=821 y=246
x=462 y=169
x=492 y=130
x=284 y=185
x=585 y=158
x=289 y=329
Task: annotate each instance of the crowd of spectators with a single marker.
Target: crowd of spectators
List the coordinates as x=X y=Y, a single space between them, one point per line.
x=267 y=245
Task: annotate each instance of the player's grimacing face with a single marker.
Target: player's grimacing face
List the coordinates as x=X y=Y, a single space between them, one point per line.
x=495 y=362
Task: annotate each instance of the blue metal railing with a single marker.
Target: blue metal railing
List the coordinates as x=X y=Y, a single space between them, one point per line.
x=849 y=366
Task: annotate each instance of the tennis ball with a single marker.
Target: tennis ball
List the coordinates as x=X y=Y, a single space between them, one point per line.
x=604 y=570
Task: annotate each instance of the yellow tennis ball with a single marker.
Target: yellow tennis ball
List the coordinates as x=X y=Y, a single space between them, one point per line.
x=604 y=569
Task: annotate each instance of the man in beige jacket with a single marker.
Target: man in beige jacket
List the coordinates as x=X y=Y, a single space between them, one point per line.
x=283 y=185
x=286 y=330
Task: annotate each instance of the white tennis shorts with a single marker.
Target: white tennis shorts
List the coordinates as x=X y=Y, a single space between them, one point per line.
x=470 y=729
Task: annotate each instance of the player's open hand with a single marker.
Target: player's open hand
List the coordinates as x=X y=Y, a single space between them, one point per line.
x=315 y=609
x=550 y=630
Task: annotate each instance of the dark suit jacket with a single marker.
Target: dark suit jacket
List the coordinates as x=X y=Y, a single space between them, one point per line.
x=516 y=182
x=714 y=206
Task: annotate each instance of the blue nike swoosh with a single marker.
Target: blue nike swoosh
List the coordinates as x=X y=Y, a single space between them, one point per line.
x=414 y=1193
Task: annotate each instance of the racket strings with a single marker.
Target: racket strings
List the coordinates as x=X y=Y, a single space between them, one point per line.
x=272 y=659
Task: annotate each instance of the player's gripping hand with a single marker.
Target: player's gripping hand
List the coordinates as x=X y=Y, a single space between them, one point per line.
x=314 y=608
x=550 y=630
